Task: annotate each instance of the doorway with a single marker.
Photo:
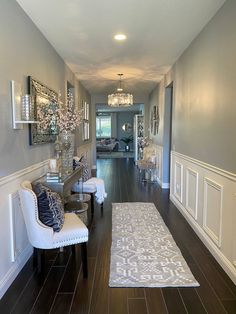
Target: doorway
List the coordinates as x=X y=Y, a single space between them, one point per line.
x=167 y=136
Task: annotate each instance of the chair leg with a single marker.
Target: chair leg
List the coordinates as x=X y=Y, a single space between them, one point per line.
x=73 y=249
x=102 y=208
x=84 y=259
x=92 y=205
x=41 y=262
x=35 y=258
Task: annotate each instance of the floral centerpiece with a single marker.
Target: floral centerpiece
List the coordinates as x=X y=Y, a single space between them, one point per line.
x=143 y=142
x=55 y=118
x=68 y=118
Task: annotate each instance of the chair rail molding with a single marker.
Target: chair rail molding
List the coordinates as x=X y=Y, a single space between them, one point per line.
x=206 y=197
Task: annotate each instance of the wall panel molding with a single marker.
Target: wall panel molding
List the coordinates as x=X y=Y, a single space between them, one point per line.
x=178 y=181
x=22 y=172
x=16 y=251
x=212 y=210
x=221 y=172
x=192 y=192
x=208 y=204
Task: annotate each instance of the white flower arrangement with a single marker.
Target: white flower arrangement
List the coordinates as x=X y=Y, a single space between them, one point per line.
x=54 y=117
x=143 y=142
x=68 y=118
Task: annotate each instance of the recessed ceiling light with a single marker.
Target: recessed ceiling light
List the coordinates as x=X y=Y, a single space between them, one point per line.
x=120 y=37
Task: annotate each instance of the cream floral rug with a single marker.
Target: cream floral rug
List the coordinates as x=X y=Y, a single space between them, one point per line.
x=143 y=252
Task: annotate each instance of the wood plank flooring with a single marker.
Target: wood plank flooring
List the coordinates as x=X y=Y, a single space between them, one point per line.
x=65 y=291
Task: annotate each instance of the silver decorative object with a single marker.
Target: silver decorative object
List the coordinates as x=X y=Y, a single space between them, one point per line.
x=67 y=141
x=27 y=108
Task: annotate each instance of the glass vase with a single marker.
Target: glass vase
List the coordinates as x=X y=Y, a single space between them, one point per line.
x=67 y=139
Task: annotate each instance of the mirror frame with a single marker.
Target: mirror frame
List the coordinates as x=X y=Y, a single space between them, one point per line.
x=39 y=91
x=127 y=127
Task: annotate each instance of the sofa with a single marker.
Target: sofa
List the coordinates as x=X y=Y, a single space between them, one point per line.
x=107 y=145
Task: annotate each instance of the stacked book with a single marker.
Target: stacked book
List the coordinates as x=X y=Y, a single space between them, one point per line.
x=53 y=176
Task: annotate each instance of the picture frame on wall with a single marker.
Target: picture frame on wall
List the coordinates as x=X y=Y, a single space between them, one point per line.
x=44 y=100
x=155 y=120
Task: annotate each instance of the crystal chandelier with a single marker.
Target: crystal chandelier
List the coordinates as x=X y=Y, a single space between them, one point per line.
x=120 y=99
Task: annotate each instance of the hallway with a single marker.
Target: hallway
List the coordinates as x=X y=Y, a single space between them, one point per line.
x=64 y=290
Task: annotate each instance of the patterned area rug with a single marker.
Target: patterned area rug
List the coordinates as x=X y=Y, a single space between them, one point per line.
x=143 y=252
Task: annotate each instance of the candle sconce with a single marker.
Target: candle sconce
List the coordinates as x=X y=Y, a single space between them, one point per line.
x=22 y=107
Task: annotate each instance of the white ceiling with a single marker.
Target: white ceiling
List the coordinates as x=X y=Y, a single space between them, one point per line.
x=158 y=32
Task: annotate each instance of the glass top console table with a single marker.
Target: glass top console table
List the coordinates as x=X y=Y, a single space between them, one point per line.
x=63 y=186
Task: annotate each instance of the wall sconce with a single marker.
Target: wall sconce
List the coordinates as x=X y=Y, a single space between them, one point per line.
x=22 y=107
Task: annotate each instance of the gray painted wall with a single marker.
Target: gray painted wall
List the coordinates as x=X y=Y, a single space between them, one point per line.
x=204 y=112
x=205 y=93
x=24 y=51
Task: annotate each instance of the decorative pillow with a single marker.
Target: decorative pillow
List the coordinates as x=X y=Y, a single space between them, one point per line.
x=86 y=169
x=76 y=162
x=50 y=207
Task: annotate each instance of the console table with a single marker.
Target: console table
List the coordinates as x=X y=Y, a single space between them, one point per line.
x=64 y=185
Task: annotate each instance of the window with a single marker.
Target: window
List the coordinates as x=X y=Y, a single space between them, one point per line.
x=103 y=126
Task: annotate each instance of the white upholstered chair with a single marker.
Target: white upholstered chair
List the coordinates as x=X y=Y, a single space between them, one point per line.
x=43 y=237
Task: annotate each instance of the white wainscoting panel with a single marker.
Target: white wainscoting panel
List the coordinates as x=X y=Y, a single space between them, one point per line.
x=212 y=210
x=192 y=192
x=15 y=247
x=178 y=181
x=206 y=196
x=19 y=238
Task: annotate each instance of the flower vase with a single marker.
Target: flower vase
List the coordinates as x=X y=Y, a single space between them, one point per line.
x=67 y=139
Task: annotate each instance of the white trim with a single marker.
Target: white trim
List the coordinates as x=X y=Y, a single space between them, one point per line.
x=179 y=196
x=17 y=250
x=10 y=276
x=224 y=173
x=192 y=211
x=12 y=231
x=216 y=238
x=219 y=256
x=22 y=172
x=216 y=194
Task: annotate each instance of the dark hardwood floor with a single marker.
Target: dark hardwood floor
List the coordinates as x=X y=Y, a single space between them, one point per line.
x=65 y=290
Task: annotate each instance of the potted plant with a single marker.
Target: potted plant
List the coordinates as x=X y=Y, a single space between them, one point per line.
x=127 y=141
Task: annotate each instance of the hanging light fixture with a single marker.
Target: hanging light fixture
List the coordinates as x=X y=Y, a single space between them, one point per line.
x=120 y=99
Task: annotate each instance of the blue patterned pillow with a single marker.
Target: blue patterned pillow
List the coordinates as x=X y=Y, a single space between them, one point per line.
x=50 y=207
x=86 y=170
